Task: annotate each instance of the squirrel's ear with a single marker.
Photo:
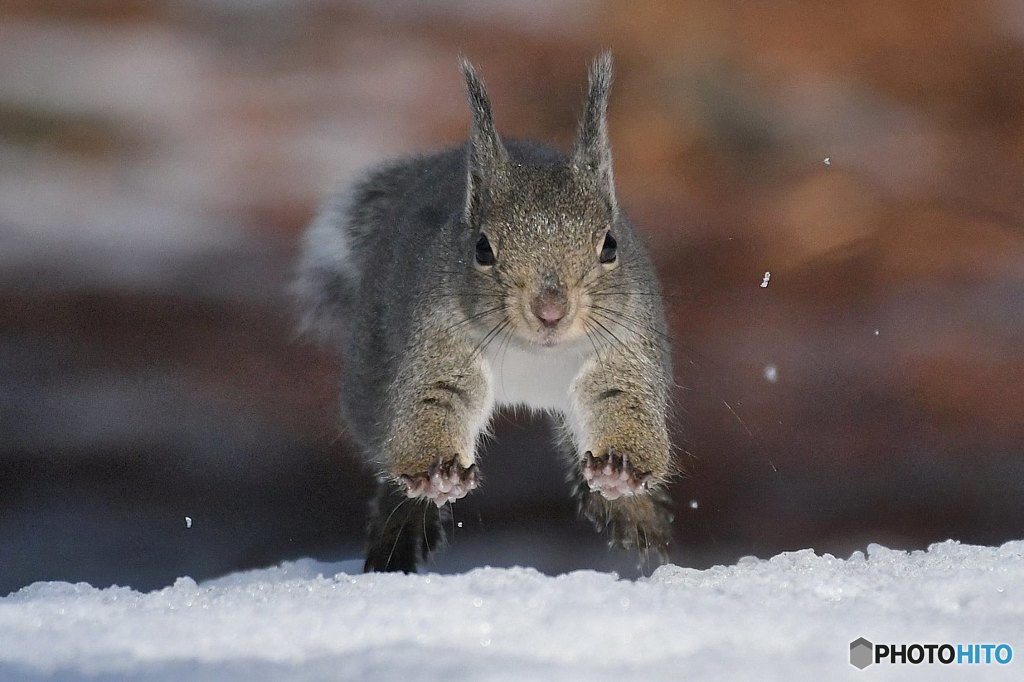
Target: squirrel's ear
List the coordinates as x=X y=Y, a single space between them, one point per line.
x=486 y=153
x=593 y=152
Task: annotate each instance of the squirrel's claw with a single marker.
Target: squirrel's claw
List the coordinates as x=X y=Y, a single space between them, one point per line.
x=614 y=476
x=443 y=482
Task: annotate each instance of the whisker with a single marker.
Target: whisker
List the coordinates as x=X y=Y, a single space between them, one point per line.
x=473 y=317
x=436 y=294
x=637 y=358
x=488 y=337
x=628 y=292
x=585 y=273
x=503 y=346
x=644 y=324
x=609 y=334
x=588 y=329
x=426 y=540
x=398 y=536
x=664 y=342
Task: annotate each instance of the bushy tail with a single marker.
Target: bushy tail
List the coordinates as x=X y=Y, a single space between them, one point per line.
x=326 y=276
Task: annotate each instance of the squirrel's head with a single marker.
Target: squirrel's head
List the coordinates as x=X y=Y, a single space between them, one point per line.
x=545 y=238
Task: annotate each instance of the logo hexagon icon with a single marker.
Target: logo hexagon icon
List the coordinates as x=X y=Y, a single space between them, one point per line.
x=861 y=653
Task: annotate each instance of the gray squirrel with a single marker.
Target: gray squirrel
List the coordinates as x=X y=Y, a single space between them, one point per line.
x=497 y=274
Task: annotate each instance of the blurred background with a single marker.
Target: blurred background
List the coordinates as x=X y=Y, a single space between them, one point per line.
x=160 y=417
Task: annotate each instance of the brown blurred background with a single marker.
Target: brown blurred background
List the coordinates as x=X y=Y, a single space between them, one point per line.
x=159 y=159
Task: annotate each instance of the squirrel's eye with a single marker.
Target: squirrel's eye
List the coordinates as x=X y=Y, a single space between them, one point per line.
x=608 y=254
x=484 y=253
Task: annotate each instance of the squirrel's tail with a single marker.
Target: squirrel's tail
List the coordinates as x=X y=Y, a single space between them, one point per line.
x=327 y=273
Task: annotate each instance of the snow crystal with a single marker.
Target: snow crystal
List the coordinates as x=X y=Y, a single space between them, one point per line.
x=188 y=521
x=771 y=373
x=791 y=616
x=764 y=280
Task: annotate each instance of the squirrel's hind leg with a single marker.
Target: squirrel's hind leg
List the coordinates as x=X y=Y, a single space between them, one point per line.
x=642 y=522
x=402 y=531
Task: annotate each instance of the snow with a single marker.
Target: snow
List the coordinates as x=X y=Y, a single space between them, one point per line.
x=791 y=616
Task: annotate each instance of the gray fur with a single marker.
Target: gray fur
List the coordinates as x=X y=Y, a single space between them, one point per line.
x=433 y=342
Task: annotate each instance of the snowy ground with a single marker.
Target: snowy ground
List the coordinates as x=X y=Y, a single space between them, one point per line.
x=790 y=617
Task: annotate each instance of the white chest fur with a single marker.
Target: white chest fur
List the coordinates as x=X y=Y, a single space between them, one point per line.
x=538 y=378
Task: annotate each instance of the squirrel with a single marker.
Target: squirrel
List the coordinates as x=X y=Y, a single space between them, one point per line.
x=500 y=273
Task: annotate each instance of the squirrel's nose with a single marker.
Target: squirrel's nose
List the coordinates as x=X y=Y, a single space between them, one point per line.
x=549 y=309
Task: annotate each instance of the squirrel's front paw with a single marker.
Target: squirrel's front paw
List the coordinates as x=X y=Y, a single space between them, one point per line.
x=613 y=476
x=442 y=482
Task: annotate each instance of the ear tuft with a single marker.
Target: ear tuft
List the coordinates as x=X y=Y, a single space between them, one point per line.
x=486 y=153
x=593 y=153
